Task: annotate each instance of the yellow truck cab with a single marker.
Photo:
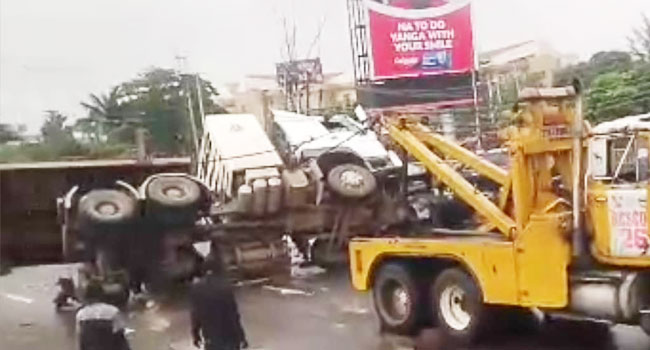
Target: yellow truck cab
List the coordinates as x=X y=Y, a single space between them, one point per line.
x=617 y=191
x=563 y=234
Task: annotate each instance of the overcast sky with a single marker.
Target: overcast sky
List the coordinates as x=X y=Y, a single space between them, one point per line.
x=54 y=53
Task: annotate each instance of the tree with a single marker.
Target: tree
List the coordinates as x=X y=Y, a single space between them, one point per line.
x=157 y=100
x=9 y=133
x=619 y=94
x=640 y=40
x=608 y=96
x=54 y=126
x=57 y=136
x=600 y=63
x=621 y=86
x=105 y=106
x=104 y=112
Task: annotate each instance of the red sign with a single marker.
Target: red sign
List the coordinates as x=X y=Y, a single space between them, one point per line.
x=408 y=42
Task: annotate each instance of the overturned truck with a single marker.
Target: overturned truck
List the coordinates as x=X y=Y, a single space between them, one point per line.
x=242 y=198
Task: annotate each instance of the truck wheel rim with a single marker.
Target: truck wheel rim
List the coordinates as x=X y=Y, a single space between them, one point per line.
x=452 y=308
x=174 y=192
x=352 y=179
x=107 y=208
x=397 y=301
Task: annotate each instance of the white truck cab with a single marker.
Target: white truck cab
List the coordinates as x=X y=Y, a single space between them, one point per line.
x=308 y=137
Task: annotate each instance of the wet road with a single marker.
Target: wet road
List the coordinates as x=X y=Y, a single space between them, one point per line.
x=320 y=312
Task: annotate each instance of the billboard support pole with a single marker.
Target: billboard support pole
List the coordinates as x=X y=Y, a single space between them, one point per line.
x=477 y=117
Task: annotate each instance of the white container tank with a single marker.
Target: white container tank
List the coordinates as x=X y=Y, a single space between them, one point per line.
x=274 y=198
x=245 y=199
x=259 y=197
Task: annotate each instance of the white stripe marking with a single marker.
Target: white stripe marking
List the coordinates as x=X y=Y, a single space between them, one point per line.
x=19 y=298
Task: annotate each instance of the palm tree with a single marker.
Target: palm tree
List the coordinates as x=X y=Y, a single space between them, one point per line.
x=103 y=110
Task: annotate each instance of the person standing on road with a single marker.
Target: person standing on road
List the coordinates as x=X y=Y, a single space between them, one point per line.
x=100 y=325
x=216 y=323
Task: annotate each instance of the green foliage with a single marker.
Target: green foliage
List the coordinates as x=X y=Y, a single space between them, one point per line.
x=158 y=98
x=58 y=143
x=616 y=84
x=41 y=152
x=54 y=129
x=8 y=133
x=108 y=151
x=105 y=113
x=618 y=94
x=155 y=100
x=57 y=137
x=600 y=63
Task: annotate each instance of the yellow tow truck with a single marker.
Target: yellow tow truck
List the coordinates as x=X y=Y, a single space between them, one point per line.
x=566 y=231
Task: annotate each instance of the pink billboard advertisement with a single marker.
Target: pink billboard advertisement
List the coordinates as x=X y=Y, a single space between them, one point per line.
x=411 y=38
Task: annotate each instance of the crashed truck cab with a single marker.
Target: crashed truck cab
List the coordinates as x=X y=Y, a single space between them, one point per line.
x=617 y=191
x=257 y=199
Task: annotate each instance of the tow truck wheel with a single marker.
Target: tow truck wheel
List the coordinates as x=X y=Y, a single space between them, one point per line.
x=106 y=208
x=396 y=297
x=458 y=306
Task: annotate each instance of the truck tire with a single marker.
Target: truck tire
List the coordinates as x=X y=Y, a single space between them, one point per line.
x=397 y=297
x=174 y=192
x=644 y=322
x=458 y=306
x=329 y=160
x=351 y=181
x=101 y=210
x=319 y=254
x=519 y=320
x=173 y=200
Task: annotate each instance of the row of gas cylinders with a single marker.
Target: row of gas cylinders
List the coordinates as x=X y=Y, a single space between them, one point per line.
x=261 y=197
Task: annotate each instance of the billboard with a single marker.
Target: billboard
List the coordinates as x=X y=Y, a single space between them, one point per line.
x=411 y=38
x=299 y=72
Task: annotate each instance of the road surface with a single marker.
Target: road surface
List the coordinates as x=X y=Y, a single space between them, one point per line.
x=319 y=312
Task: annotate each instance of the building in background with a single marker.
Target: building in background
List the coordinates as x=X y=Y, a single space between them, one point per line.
x=258 y=94
x=529 y=63
x=505 y=71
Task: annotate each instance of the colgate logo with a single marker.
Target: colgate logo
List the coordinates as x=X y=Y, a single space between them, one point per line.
x=407 y=61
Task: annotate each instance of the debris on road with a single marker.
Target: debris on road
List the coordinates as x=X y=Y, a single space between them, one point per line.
x=254 y=282
x=159 y=324
x=288 y=291
x=308 y=271
x=355 y=310
x=203 y=248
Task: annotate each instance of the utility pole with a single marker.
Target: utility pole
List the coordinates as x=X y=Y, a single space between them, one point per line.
x=195 y=136
x=477 y=116
x=182 y=65
x=199 y=95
